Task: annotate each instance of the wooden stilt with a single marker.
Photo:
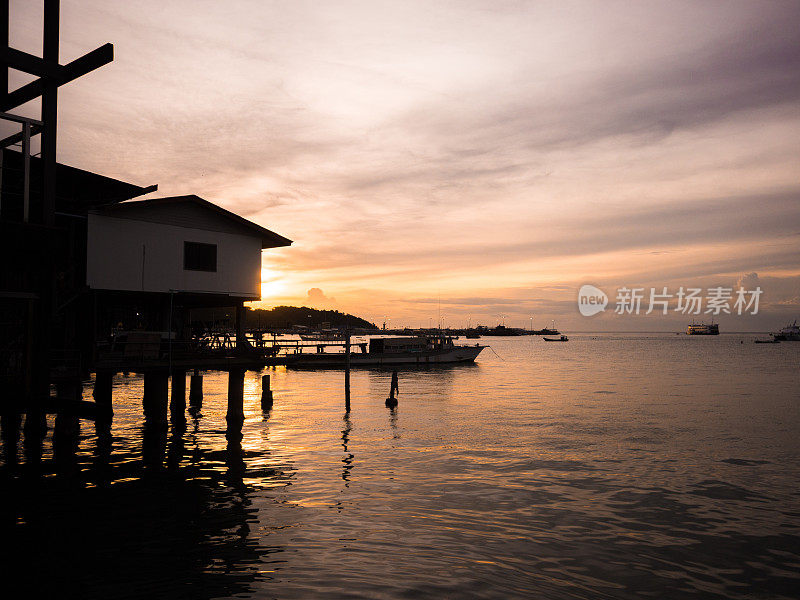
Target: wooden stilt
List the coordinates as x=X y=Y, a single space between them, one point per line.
x=156 y=387
x=177 y=405
x=235 y=414
x=103 y=392
x=266 y=393
x=347 y=372
x=196 y=391
x=391 y=401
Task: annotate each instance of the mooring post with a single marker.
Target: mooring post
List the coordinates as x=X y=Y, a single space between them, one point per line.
x=177 y=401
x=156 y=397
x=103 y=393
x=394 y=388
x=266 y=393
x=235 y=415
x=347 y=371
x=196 y=391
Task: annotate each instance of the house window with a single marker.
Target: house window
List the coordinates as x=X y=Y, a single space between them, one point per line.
x=199 y=257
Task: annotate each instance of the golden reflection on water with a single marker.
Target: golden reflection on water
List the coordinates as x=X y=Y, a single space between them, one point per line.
x=557 y=472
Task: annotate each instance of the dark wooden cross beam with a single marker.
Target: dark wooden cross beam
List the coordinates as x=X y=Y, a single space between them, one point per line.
x=50 y=75
x=4 y=44
x=34 y=65
x=16 y=138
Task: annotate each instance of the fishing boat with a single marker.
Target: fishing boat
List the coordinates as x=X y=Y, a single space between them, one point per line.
x=391 y=351
x=563 y=338
x=546 y=330
x=702 y=329
x=325 y=335
x=790 y=333
x=503 y=331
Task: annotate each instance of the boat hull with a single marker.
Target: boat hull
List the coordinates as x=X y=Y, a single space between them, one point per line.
x=787 y=336
x=454 y=355
x=701 y=329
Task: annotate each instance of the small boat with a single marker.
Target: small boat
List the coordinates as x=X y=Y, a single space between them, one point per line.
x=790 y=333
x=563 y=338
x=773 y=341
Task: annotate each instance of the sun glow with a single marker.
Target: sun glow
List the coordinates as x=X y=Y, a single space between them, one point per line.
x=272 y=283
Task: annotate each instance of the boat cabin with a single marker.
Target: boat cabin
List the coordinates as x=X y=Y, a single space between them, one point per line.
x=409 y=344
x=397 y=344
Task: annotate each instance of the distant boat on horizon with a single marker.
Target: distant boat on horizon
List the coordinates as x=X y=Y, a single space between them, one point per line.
x=790 y=333
x=502 y=331
x=563 y=338
x=545 y=331
x=702 y=329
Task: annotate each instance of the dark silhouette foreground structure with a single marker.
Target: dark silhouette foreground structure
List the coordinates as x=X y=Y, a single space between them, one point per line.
x=36 y=245
x=92 y=282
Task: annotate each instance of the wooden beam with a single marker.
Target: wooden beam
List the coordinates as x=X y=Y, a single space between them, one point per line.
x=4 y=8
x=17 y=119
x=28 y=63
x=77 y=68
x=50 y=37
x=35 y=128
x=17 y=137
x=50 y=42
x=26 y=172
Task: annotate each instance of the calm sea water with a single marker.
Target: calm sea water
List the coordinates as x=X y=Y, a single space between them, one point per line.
x=612 y=466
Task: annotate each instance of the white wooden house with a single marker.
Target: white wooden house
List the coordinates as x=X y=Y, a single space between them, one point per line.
x=182 y=244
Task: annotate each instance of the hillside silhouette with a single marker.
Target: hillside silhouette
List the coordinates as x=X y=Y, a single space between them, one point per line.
x=284 y=317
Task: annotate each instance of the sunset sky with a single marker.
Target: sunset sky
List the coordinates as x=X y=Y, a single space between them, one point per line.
x=476 y=160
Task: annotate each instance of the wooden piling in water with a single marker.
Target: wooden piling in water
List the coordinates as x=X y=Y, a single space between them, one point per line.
x=155 y=399
x=67 y=427
x=103 y=393
x=235 y=414
x=266 y=393
x=391 y=401
x=177 y=401
x=347 y=372
x=196 y=391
